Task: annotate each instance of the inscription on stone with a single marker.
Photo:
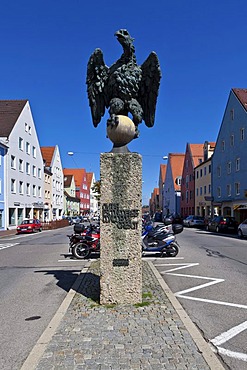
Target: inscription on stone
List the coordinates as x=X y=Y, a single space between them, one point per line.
x=123 y=218
x=120 y=262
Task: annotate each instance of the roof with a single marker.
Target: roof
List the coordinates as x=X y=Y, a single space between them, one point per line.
x=163 y=172
x=10 y=110
x=67 y=180
x=242 y=96
x=47 y=154
x=196 y=151
x=89 y=179
x=176 y=161
x=78 y=173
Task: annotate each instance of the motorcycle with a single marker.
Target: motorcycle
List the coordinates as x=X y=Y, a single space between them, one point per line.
x=84 y=241
x=161 y=239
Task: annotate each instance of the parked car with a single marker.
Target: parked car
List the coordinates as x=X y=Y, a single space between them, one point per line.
x=242 y=229
x=194 y=221
x=223 y=224
x=175 y=218
x=29 y=226
x=74 y=220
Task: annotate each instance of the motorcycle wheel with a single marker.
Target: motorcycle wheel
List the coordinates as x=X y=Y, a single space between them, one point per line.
x=170 y=251
x=81 y=251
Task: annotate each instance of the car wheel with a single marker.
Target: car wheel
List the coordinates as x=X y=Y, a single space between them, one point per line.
x=240 y=234
x=217 y=229
x=207 y=227
x=40 y=229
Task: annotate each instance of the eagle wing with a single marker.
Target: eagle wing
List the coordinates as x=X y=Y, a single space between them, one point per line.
x=149 y=87
x=97 y=75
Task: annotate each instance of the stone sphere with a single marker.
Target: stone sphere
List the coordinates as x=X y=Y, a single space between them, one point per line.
x=123 y=132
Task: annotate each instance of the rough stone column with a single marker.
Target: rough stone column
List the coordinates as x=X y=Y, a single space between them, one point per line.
x=120 y=228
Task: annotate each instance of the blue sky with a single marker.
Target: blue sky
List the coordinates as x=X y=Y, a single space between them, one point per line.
x=201 y=46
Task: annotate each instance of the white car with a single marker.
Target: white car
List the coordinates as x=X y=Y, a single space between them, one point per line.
x=242 y=229
x=194 y=221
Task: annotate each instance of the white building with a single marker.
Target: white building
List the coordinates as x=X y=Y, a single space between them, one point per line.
x=24 y=163
x=94 y=203
x=52 y=159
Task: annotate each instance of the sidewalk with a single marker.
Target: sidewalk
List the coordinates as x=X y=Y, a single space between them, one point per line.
x=85 y=335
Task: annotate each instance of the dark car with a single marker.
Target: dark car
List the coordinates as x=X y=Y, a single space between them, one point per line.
x=175 y=218
x=29 y=226
x=223 y=224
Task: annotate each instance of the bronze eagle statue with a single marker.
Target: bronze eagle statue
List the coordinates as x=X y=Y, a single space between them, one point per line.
x=125 y=87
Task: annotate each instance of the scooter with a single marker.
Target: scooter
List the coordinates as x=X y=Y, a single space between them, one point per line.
x=87 y=241
x=161 y=239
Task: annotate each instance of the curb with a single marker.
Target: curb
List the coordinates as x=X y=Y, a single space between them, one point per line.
x=203 y=346
x=36 y=353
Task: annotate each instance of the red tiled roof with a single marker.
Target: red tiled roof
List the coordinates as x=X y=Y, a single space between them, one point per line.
x=78 y=173
x=10 y=110
x=47 y=154
x=196 y=151
x=242 y=96
x=163 y=172
x=89 y=178
x=176 y=162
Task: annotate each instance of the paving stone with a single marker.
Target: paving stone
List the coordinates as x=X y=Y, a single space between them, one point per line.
x=94 y=337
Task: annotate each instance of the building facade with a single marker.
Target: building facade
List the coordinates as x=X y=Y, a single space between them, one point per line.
x=172 y=184
x=24 y=163
x=71 y=202
x=52 y=159
x=229 y=165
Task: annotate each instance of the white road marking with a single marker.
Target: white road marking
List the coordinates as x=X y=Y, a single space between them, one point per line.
x=223 y=337
x=232 y=354
x=4 y=246
x=229 y=334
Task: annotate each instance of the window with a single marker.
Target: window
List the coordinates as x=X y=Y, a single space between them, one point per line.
x=29 y=130
x=13 y=162
x=228 y=190
x=223 y=146
x=39 y=173
x=20 y=187
x=28 y=189
x=205 y=189
x=229 y=167
x=13 y=186
x=39 y=191
x=237 y=164
x=232 y=114
x=197 y=192
x=219 y=191
x=201 y=172
x=34 y=171
x=232 y=140
x=237 y=188
x=205 y=171
x=209 y=189
x=27 y=148
x=34 y=152
x=242 y=134
x=28 y=168
x=21 y=145
x=26 y=127
x=219 y=171
x=200 y=190
x=21 y=165
x=34 y=190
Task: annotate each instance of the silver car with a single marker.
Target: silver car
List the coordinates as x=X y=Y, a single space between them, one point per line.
x=242 y=229
x=194 y=221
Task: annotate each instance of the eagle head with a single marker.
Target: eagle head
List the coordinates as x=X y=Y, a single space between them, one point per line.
x=124 y=39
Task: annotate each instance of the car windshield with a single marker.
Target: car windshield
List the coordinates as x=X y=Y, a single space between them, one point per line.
x=25 y=222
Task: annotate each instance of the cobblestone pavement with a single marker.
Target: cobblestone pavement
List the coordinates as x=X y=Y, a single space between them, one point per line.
x=121 y=337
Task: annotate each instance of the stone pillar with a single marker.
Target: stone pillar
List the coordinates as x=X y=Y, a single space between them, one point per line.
x=120 y=228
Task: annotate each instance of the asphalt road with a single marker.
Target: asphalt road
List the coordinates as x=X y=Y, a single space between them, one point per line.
x=209 y=278
x=35 y=276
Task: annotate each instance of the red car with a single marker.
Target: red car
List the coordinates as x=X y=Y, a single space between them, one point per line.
x=29 y=226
